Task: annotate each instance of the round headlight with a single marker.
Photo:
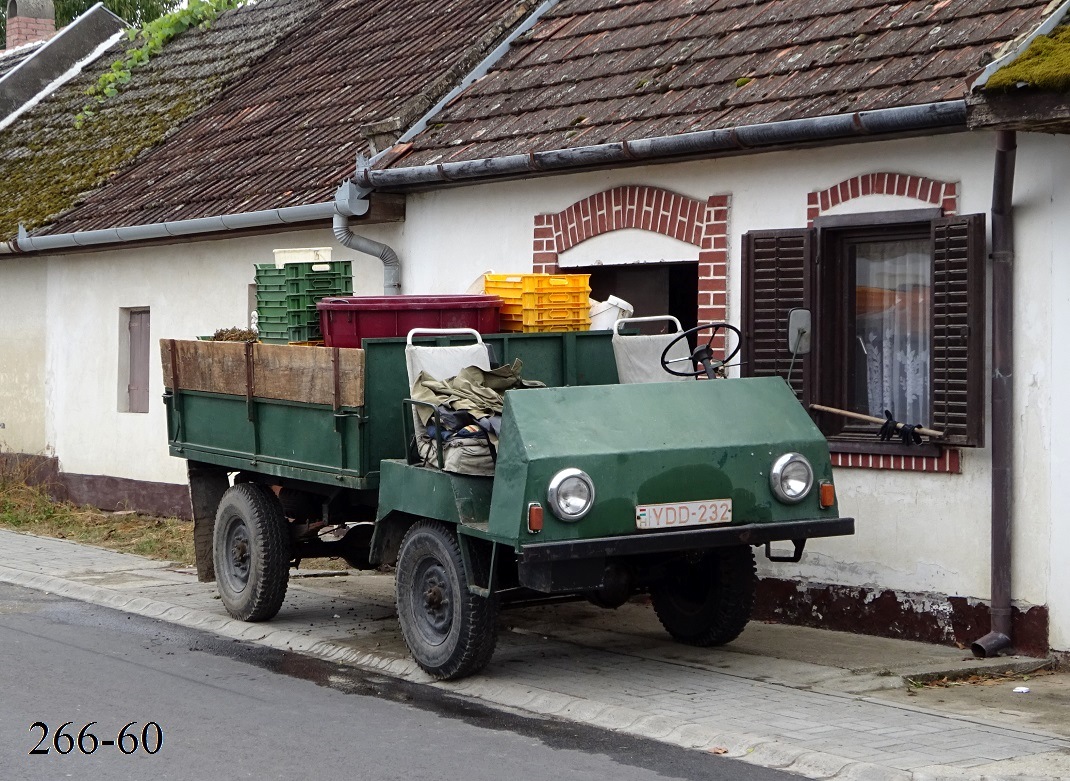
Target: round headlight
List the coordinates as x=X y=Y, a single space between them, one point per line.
x=791 y=478
x=571 y=494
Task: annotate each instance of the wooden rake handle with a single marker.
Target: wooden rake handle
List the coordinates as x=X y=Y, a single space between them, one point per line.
x=871 y=419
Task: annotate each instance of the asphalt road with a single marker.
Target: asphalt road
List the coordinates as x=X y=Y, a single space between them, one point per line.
x=228 y=710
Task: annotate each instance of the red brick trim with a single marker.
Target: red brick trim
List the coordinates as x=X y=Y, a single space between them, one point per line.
x=701 y=223
x=931 y=191
x=948 y=462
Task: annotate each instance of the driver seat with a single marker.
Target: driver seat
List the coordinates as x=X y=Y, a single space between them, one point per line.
x=638 y=357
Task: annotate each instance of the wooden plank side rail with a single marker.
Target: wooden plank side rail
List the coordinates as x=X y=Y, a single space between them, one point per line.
x=315 y=375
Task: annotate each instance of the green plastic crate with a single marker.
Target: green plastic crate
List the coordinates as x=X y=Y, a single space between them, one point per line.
x=306 y=333
x=270 y=296
x=301 y=317
x=342 y=268
x=322 y=285
x=303 y=301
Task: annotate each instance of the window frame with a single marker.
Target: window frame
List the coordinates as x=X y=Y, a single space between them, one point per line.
x=791 y=267
x=836 y=237
x=135 y=360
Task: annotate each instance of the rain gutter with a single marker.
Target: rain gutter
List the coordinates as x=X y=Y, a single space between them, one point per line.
x=178 y=228
x=944 y=116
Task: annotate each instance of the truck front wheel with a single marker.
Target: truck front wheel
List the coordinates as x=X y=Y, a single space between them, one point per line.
x=708 y=600
x=450 y=631
x=251 y=552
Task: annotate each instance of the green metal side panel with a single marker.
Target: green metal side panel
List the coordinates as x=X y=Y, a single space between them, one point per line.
x=430 y=493
x=649 y=444
x=287 y=439
x=557 y=359
x=312 y=442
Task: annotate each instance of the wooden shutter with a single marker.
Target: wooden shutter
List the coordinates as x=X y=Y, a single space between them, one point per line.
x=138 y=385
x=778 y=268
x=958 y=301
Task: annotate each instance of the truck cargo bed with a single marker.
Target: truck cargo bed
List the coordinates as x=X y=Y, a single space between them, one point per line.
x=329 y=415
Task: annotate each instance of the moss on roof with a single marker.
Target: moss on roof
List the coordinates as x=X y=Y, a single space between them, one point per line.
x=1044 y=65
x=48 y=165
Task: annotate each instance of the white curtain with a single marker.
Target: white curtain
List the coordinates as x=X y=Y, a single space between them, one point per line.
x=893 y=324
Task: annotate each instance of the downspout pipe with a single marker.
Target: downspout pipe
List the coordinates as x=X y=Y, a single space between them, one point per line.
x=347 y=199
x=1002 y=389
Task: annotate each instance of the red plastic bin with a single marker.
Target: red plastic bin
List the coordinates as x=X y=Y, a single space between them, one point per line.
x=345 y=321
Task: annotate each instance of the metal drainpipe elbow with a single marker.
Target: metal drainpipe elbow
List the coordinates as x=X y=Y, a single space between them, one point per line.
x=990 y=645
x=391 y=261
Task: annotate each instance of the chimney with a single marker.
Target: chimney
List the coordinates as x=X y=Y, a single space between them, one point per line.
x=29 y=20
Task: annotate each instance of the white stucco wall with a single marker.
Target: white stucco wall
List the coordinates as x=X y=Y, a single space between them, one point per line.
x=1056 y=163
x=22 y=356
x=916 y=532
x=190 y=289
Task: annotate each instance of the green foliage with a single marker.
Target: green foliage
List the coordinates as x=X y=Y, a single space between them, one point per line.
x=1044 y=65
x=149 y=40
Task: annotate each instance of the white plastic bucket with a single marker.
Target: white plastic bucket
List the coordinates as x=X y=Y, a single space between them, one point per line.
x=605 y=313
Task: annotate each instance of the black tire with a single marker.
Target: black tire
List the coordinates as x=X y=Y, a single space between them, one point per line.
x=301 y=506
x=450 y=631
x=251 y=550
x=709 y=600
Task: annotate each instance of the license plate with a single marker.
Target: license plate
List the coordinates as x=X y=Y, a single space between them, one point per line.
x=673 y=515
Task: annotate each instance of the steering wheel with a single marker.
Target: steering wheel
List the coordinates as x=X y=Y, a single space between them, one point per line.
x=702 y=354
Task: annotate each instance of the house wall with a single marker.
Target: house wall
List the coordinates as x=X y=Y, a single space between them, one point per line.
x=920 y=535
x=23 y=335
x=190 y=289
x=1055 y=166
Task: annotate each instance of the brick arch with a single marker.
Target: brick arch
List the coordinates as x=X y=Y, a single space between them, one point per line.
x=921 y=188
x=701 y=223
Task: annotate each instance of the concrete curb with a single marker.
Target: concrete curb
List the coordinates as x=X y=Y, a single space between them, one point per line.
x=752 y=749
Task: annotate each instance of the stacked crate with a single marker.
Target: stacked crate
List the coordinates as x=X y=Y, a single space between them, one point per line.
x=286 y=298
x=542 y=302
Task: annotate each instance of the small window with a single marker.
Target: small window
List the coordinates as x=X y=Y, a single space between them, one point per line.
x=134 y=361
x=898 y=318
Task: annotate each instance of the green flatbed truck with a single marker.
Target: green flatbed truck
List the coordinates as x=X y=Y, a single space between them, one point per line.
x=600 y=490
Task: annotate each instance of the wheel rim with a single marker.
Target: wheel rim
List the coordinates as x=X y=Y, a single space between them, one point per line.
x=432 y=602
x=237 y=559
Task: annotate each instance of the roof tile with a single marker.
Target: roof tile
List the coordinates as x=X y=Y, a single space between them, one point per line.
x=287 y=130
x=634 y=67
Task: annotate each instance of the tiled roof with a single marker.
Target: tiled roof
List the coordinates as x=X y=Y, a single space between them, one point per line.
x=289 y=132
x=600 y=71
x=9 y=60
x=48 y=164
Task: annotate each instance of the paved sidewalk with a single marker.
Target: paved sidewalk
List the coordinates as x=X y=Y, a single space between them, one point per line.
x=798 y=699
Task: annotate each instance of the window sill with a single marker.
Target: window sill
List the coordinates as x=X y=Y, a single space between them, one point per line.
x=895 y=456
x=878 y=448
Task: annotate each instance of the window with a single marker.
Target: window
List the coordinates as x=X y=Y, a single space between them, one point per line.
x=898 y=319
x=134 y=360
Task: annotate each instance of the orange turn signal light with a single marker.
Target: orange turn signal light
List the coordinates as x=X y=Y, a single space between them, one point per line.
x=534 y=518
x=828 y=495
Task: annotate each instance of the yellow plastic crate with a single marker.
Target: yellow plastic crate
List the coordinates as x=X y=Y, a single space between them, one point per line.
x=526 y=316
x=539 y=290
x=517 y=327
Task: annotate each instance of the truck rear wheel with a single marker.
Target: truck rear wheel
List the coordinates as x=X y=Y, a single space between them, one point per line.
x=708 y=601
x=251 y=552
x=450 y=631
